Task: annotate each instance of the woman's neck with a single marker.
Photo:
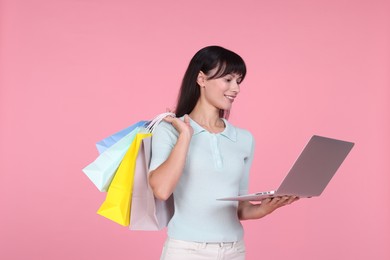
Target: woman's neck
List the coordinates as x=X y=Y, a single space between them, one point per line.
x=208 y=118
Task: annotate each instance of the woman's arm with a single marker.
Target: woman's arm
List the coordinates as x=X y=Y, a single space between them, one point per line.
x=247 y=210
x=164 y=178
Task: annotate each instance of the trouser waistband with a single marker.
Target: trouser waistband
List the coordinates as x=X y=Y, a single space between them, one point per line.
x=205 y=244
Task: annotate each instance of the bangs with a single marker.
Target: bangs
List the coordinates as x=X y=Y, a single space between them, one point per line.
x=234 y=65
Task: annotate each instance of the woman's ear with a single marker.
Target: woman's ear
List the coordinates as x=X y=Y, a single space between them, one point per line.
x=201 y=79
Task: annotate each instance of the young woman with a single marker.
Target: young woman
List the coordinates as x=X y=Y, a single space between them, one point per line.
x=200 y=157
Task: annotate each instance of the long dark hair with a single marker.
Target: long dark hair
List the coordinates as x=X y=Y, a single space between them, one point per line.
x=205 y=60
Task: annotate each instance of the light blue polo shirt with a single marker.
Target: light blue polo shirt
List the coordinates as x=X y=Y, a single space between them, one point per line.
x=217 y=166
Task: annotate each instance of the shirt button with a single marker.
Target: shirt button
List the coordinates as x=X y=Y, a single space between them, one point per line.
x=219 y=164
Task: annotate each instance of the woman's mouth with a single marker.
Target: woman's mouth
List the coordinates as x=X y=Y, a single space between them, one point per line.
x=231 y=98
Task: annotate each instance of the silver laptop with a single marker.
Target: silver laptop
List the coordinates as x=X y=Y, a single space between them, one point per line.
x=311 y=172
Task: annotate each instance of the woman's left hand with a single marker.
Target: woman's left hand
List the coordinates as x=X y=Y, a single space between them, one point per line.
x=247 y=210
x=271 y=204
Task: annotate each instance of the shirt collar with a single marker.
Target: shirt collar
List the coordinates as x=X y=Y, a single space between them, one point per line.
x=229 y=131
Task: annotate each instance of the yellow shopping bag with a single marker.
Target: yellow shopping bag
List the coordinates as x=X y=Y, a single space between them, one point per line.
x=117 y=205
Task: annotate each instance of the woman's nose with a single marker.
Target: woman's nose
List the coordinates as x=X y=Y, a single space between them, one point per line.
x=236 y=88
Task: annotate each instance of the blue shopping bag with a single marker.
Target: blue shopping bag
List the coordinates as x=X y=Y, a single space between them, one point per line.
x=112 y=139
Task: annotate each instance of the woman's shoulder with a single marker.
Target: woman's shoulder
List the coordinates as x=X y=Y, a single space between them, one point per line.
x=165 y=125
x=245 y=135
x=242 y=133
x=165 y=128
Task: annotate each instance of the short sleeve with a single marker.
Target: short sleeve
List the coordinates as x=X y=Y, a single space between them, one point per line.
x=164 y=139
x=244 y=184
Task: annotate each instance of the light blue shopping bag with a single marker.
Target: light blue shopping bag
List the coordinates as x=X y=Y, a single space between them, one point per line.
x=112 y=150
x=112 y=139
x=102 y=170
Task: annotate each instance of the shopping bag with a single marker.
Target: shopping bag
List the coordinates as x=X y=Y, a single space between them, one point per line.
x=147 y=212
x=117 y=205
x=102 y=170
x=112 y=139
x=113 y=148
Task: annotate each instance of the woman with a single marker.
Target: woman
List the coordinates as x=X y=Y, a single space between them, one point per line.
x=200 y=157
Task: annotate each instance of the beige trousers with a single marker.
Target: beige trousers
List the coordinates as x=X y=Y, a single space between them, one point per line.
x=184 y=250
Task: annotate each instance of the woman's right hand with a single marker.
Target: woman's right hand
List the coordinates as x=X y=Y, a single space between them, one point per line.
x=182 y=126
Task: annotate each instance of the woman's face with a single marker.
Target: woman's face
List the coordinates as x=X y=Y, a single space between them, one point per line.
x=221 y=92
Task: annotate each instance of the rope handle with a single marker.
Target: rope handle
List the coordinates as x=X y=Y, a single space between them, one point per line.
x=151 y=126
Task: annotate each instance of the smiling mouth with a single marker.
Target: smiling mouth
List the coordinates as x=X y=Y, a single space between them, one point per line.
x=231 y=98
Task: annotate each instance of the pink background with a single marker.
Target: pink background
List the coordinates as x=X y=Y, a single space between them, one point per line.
x=75 y=71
